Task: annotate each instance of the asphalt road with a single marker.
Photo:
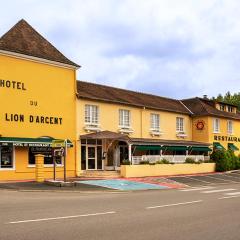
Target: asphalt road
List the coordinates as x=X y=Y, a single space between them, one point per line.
x=209 y=212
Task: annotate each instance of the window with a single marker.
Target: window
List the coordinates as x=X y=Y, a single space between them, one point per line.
x=222 y=107
x=230 y=109
x=230 y=127
x=155 y=122
x=124 y=118
x=46 y=151
x=91 y=114
x=180 y=124
x=216 y=125
x=6 y=157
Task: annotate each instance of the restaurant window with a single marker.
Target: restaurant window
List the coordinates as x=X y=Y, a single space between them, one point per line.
x=180 y=124
x=91 y=114
x=46 y=151
x=6 y=157
x=124 y=118
x=230 y=127
x=216 y=125
x=155 y=121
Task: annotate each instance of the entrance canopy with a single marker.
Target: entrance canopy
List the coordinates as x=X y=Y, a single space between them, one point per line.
x=29 y=142
x=143 y=144
x=106 y=135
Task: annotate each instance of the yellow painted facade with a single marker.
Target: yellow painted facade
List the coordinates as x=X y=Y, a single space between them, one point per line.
x=139 y=120
x=223 y=136
x=39 y=100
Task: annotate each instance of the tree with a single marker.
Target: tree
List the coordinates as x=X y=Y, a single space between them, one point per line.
x=229 y=98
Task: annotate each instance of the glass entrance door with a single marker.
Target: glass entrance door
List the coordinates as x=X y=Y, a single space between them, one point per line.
x=91 y=158
x=94 y=158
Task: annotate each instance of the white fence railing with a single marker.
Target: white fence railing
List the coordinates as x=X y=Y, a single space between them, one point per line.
x=171 y=158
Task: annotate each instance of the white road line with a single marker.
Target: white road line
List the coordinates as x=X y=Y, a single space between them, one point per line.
x=57 y=218
x=174 y=204
x=232 y=194
x=196 y=189
x=198 y=180
x=220 y=190
x=221 y=179
x=230 y=176
x=228 y=197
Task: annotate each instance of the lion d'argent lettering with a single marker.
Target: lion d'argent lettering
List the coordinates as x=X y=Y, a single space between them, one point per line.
x=33 y=119
x=12 y=84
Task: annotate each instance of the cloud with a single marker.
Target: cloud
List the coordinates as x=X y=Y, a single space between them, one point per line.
x=172 y=48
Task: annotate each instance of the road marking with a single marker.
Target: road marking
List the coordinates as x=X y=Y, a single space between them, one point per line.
x=230 y=176
x=228 y=197
x=196 y=189
x=232 y=194
x=219 y=190
x=221 y=179
x=198 y=180
x=57 y=218
x=174 y=204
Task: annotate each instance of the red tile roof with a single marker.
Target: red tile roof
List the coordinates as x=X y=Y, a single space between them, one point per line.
x=206 y=107
x=103 y=93
x=24 y=39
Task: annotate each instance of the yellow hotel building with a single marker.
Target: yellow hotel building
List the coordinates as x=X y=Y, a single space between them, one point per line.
x=37 y=94
x=105 y=126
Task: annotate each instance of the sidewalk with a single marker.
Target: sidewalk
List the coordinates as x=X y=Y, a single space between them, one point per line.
x=34 y=186
x=97 y=185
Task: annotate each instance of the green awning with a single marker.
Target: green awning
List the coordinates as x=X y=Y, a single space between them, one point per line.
x=232 y=147
x=200 y=149
x=146 y=147
x=29 y=142
x=175 y=148
x=218 y=146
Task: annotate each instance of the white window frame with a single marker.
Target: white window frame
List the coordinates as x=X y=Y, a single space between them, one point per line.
x=91 y=116
x=155 y=122
x=180 y=125
x=216 y=125
x=230 y=127
x=124 y=118
x=222 y=107
x=13 y=159
x=230 y=109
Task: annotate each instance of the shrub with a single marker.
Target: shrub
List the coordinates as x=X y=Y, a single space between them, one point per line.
x=126 y=162
x=189 y=160
x=152 y=163
x=163 y=161
x=144 y=162
x=225 y=160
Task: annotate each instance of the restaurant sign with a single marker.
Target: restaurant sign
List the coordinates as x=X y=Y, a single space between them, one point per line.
x=226 y=138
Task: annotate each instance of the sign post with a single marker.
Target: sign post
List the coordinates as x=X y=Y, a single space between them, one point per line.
x=59 y=150
x=54 y=166
x=65 y=156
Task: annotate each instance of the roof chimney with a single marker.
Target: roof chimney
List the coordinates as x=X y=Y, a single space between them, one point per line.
x=205 y=96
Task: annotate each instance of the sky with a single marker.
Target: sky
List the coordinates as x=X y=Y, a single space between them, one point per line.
x=172 y=48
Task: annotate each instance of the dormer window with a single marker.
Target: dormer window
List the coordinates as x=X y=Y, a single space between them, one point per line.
x=230 y=109
x=222 y=107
